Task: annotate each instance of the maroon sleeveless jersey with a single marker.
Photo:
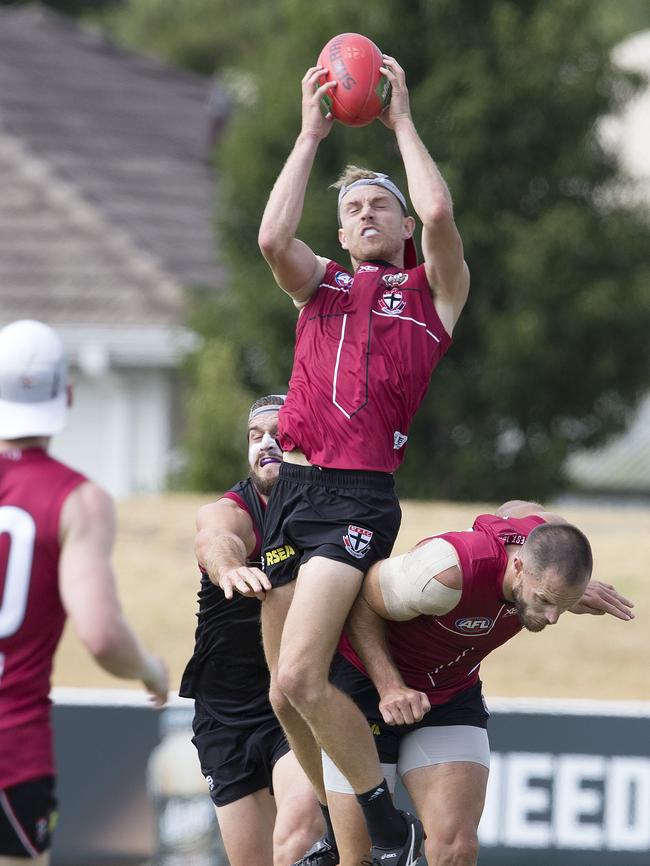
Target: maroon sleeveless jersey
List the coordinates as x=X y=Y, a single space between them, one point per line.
x=33 y=488
x=366 y=346
x=441 y=655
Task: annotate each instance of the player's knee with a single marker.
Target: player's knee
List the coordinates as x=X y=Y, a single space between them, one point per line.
x=299 y=683
x=457 y=849
x=278 y=699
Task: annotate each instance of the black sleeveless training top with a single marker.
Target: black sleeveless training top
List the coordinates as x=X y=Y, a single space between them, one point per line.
x=227 y=673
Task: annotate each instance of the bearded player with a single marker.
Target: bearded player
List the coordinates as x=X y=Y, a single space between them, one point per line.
x=422 y=625
x=265 y=805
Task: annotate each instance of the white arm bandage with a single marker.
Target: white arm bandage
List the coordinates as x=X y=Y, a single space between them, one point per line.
x=408 y=583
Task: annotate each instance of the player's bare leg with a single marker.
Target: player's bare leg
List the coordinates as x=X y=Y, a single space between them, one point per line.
x=247 y=829
x=449 y=799
x=350 y=828
x=299 y=822
x=299 y=734
x=325 y=591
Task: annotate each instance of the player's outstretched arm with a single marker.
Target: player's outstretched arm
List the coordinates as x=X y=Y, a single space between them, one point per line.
x=366 y=629
x=225 y=539
x=297 y=270
x=601 y=598
x=442 y=246
x=523 y=508
x=89 y=594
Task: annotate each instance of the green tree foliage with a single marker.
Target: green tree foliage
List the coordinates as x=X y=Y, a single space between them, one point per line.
x=551 y=351
x=618 y=20
x=68 y=7
x=204 y=35
x=216 y=413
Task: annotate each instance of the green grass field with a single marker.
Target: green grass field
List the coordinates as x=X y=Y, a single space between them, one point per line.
x=583 y=656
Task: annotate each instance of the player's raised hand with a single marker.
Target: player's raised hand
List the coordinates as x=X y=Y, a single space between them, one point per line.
x=600 y=598
x=244 y=580
x=399 y=107
x=313 y=120
x=401 y=705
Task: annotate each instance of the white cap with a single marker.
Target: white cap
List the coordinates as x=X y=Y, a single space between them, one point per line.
x=33 y=381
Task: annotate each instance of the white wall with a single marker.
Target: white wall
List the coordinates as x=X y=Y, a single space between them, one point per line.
x=119 y=429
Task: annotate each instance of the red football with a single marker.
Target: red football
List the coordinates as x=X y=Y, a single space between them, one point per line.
x=362 y=91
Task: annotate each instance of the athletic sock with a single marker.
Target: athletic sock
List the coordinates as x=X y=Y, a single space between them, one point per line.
x=386 y=827
x=329 y=830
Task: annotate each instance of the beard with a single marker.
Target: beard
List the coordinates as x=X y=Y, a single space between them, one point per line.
x=529 y=622
x=263 y=484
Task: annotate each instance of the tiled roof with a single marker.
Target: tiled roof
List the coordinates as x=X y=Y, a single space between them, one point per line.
x=107 y=199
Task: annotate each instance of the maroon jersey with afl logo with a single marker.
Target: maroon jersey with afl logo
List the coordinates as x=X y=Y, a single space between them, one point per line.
x=441 y=655
x=33 y=488
x=366 y=346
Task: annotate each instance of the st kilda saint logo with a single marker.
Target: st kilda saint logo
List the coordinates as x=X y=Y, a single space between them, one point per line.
x=357 y=541
x=392 y=301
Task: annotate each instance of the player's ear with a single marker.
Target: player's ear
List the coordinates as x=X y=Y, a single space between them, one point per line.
x=408 y=228
x=342 y=239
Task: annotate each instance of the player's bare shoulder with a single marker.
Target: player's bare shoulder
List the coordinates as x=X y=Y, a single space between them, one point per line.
x=519 y=508
x=224 y=514
x=303 y=297
x=86 y=509
x=450 y=295
x=225 y=517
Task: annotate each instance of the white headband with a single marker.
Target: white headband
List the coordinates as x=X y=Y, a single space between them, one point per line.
x=267 y=407
x=379 y=179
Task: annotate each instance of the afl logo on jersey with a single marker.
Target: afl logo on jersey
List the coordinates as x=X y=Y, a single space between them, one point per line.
x=474 y=624
x=392 y=302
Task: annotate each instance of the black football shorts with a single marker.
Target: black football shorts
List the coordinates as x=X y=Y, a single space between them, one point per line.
x=237 y=761
x=27 y=818
x=345 y=515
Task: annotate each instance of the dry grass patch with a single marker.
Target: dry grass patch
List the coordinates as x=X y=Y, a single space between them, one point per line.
x=597 y=657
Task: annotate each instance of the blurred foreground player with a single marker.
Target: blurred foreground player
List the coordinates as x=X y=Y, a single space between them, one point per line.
x=450 y=602
x=265 y=805
x=56 y=536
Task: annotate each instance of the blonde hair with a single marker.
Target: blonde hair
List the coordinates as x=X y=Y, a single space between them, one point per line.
x=350 y=174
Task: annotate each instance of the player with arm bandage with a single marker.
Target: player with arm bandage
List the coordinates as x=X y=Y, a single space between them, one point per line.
x=423 y=623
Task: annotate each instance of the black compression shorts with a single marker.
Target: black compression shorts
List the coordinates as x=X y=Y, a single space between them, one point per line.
x=347 y=516
x=236 y=761
x=27 y=818
x=466 y=708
